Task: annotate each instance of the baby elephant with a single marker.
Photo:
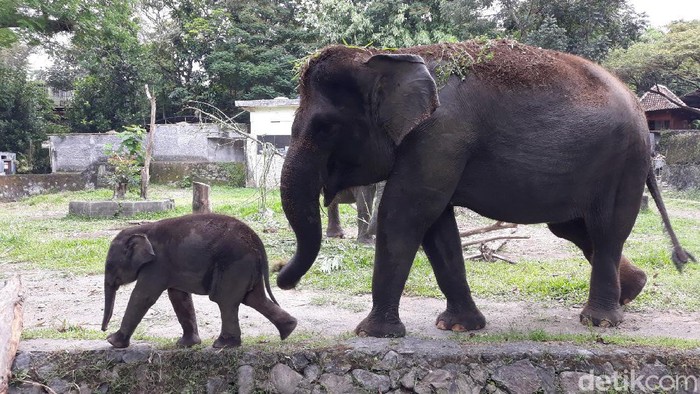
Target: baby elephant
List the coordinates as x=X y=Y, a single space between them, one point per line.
x=201 y=254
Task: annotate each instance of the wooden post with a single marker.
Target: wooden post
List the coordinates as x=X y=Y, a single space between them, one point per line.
x=200 y=198
x=10 y=328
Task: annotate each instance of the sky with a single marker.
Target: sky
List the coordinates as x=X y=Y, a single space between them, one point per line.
x=662 y=12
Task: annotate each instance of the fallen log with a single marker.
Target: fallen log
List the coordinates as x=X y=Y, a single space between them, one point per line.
x=11 y=300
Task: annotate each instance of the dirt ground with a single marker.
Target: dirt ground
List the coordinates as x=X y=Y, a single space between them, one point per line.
x=59 y=300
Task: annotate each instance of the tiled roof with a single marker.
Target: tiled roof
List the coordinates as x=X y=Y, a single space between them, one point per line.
x=651 y=101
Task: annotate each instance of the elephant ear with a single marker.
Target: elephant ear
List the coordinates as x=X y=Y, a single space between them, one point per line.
x=404 y=95
x=141 y=251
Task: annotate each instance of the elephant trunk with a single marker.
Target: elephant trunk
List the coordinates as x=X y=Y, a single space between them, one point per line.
x=110 y=295
x=300 y=188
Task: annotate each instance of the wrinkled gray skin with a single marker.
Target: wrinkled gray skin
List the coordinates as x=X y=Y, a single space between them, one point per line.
x=193 y=254
x=515 y=133
x=363 y=197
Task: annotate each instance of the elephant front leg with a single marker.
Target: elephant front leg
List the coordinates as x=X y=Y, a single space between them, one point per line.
x=392 y=263
x=442 y=245
x=142 y=298
x=184 y=310
x=603 y=306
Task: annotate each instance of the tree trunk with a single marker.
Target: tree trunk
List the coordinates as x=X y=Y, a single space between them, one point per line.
x=200 y=198
x=10 y=328
x=145 y=172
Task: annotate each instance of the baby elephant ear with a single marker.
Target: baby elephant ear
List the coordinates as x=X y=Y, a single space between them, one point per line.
x=141 y=250
x=404 y=95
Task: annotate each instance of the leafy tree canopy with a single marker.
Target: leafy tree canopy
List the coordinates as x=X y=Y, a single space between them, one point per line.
x=671 y=58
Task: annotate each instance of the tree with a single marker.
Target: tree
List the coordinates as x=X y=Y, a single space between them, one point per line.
x=36 y=17
x=671 y=59
x=381 y=23
x=590 y=28
x=219 y=52
x=25 y=112
x=108 y=93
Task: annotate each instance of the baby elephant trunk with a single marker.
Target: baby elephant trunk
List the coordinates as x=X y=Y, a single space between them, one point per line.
x=110 y=295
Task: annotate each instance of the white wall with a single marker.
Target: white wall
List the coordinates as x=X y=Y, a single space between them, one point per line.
x=271 y=120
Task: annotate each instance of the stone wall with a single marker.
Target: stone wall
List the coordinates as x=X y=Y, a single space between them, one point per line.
x=232 y=174
x=15 y=187
x=361 y=365
x=682 y=156
x=178 y=142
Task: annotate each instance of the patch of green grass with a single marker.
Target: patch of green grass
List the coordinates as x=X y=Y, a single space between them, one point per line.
x=590 y=338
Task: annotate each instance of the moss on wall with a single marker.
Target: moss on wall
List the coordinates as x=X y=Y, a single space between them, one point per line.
x=680 y=148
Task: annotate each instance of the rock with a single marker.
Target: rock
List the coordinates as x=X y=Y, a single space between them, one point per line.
x=23 y=361
x=479 y=373
x=571 y=382
x=334 y=384
x=59 y=386
x=371 y=381
x=284 y=379
x=216 y=385
x=408 y=381
x=246 y=379
x=135 y=356
x=312 y=372
x=519 y=377
x=438 y=380
x=389 y=362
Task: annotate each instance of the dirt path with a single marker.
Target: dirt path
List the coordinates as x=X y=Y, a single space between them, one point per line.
x=56 y=300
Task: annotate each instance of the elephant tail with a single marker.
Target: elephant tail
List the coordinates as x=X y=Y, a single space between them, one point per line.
x=266 y=276
x=679 y=256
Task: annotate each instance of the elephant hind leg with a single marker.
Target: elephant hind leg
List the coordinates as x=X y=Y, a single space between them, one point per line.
x=334 y=229
x=442 y=245
x=184 y=310
x=257 y=299
x=632 y=278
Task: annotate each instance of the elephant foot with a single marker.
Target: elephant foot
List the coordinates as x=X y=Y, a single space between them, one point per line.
x=118 y=340
x=366 y=240
x=226 y=342
x=372 y=326
x=335 y=234
x=632 y=281
x=466 y=321
x=598 y=317
x=189 y=340
x=286 y=328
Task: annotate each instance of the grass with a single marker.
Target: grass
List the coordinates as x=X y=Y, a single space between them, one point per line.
x=38 y=234
x=592 y=337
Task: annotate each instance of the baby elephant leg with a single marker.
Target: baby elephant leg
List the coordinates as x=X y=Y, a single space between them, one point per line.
x=228 y=294
x=184 y=309
x=257 y=299
x=230 y=328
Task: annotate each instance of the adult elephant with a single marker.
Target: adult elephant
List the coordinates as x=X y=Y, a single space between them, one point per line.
x=515 y=133
x=363 y=197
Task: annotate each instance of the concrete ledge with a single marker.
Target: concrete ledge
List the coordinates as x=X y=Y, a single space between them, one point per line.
x=116 y=208
x=358 y=365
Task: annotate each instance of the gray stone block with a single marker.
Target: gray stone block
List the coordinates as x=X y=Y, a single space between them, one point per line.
x=117 y=208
